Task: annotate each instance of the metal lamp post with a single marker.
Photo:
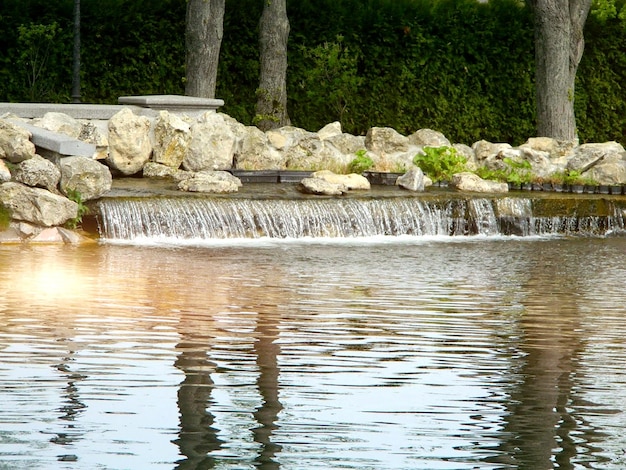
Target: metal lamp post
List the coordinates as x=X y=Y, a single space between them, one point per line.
x=76 y=55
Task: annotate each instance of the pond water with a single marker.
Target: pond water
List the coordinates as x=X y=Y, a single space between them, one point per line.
x=386 y=353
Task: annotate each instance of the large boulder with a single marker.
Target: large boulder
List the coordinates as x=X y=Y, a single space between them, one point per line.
x=129 y=142
x=15 y=144
x=212 y=146
x=211 y=182
x=466 y=181
x=86 y=176
x=37 y=205
x=587 y=156
x=287 y=136
x=383 y=140
x=553 y=147
x=172 y=136
x=429 y=138
x=347 y=144
x=255 y=152
x=610 y=171
x=312 y=153
x=37 y=172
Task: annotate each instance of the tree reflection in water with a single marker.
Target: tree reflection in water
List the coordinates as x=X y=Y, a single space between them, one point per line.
x=542 y=418
x=267 y=351
x=197 y=436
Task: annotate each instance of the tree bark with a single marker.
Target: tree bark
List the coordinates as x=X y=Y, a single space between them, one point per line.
x=559 y=45
x=271 y=108
x=203 y=38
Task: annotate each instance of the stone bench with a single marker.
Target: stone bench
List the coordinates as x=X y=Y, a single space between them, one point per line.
x=190 y=105
x=58 y=143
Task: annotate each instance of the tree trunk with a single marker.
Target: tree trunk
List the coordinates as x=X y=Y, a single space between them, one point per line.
x=559 y=46
x=271 y=108
x=203 y=38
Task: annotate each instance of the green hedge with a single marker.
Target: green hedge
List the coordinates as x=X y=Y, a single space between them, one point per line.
x=458 y=66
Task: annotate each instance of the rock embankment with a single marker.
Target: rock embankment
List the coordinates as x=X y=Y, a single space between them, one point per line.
x=40 y=189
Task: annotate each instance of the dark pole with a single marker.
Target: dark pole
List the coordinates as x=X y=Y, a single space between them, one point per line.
x=76 y=55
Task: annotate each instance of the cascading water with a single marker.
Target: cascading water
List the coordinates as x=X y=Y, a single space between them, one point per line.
x=182 y=218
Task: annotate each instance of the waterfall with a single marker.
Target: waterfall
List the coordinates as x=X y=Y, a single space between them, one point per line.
x=220 y=218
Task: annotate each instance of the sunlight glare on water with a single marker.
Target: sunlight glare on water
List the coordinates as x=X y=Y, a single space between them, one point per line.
x=491 y=353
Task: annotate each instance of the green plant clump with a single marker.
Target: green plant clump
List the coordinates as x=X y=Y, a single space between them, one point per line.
x=440 y=163
x=360 y=163
x=516 y=172
x=74 y=195
x=572 y=177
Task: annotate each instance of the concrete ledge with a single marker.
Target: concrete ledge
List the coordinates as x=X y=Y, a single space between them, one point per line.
x=173 y=103
x=148 y=105
x=59 y=143
x=98 y=112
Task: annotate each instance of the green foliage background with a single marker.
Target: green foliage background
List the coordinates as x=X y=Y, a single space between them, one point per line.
x=458 y=66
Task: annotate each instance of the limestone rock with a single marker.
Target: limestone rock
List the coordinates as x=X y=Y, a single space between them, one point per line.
x=347 y=144
x=88 y=177
x=287 y=136
x=554 y=148
x=330 y=130
x=311 y=153
x=60 y=123
x=351 y=181
x=255 y=152
x=48 y=235
x=540 y=163
x=93 y=134
x=470 y=182
x=397 y=162
x=413 y=180
x=5 y=173
x=429 y=138
x=172 y=136
x=36 y=205
x=211 y=182
x=73 y=237
x=610 y=171
x=157 y=170
x=38 y=172
x=321 y=187
x=588 y=155
x=483 y=149
x=129 y=142
x=15 y=144
x=385 y=140
x=212 y=145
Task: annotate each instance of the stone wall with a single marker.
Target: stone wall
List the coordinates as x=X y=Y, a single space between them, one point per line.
x=198 y=152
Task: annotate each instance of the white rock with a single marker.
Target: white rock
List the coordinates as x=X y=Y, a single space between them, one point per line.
x=470 y=182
